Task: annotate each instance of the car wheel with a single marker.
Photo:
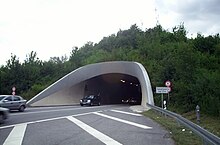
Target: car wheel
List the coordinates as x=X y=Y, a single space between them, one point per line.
x=21 y=109
x=81 y=104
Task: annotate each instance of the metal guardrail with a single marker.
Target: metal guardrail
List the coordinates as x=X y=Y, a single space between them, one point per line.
x=204 y=134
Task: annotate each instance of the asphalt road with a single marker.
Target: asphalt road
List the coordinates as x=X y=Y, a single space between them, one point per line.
x=75 y=125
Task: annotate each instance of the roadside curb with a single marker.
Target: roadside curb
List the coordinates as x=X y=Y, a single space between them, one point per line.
x=138 y=108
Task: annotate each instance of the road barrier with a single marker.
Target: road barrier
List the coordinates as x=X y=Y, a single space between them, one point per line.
x=207 y=136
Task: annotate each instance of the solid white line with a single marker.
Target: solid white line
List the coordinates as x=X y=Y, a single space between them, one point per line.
x=47 y=111
x=44 y=120
x=102 y=137
x=124 y=121
x=57 y=110
x=134 y=114
x=16 y=136
x=84 y=114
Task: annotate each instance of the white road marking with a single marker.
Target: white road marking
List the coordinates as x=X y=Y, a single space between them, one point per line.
x=134 y=114
x=16 y=136
x=84 y=114
x=46 y=111
x=124 y=121
x=102 y=137
x=44 y=120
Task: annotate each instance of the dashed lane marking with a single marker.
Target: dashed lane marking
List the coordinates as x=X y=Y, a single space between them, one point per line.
x=102 y=137
x=123 y=121
x=16 y=135
x=134 y=114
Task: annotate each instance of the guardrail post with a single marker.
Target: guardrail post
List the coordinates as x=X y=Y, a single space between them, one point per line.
x=197 y=114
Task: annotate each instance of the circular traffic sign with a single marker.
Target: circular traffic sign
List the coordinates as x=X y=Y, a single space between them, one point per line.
x=169 y=89
x=13 y=89
x=168 y=83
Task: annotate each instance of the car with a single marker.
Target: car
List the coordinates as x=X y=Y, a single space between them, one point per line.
x=91 y=100
x=132 y=101
x=125 y=101
x=13 y=102
x=4 y=113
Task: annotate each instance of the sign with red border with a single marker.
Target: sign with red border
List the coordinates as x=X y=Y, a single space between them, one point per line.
x=168 y=83
x=13 y=89
x=169 y=89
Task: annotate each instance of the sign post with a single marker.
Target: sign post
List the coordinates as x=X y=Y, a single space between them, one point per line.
x=168 y=84
x=162 y=90
x=13 y=90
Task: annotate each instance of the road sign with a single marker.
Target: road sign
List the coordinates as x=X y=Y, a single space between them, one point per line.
x=169 y=89
x=13 y=89
x=162 y=90
x=168 y=83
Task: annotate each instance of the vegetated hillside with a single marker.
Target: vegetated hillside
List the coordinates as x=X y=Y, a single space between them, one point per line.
x=192 y=65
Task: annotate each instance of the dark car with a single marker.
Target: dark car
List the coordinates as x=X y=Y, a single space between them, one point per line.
x=133 y=101
x=13 y=102
x=4 y=113
x=91 y=100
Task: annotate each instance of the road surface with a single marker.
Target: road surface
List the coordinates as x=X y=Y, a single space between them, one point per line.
x=76 y=125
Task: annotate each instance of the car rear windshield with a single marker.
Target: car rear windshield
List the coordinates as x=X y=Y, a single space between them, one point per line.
x=89 y=97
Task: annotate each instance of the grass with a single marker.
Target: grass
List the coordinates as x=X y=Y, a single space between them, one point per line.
x=208 y=122
x=180 y=134
x=212 y=124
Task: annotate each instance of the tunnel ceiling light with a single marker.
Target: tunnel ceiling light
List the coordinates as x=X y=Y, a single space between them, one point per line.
x=130 y=83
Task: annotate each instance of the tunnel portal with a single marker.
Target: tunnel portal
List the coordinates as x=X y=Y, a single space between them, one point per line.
x=113 y=81
x=114 y=88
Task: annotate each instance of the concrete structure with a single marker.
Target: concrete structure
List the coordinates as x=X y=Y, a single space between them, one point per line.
x=113 y=81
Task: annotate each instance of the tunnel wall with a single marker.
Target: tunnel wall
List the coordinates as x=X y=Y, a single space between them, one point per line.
x=59 y=92
x=66 y=96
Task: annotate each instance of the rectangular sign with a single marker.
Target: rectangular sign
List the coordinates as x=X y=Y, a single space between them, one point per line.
x=162 y=90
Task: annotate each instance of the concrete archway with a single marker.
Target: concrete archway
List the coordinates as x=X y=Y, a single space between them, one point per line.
x=72 y=87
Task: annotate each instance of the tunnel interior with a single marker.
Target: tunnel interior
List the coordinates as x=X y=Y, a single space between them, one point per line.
x=115 y=88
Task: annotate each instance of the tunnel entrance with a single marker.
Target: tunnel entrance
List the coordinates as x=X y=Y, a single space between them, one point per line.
x=115 y=88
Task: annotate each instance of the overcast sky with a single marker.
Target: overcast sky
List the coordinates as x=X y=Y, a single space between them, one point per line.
x=52 y=27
